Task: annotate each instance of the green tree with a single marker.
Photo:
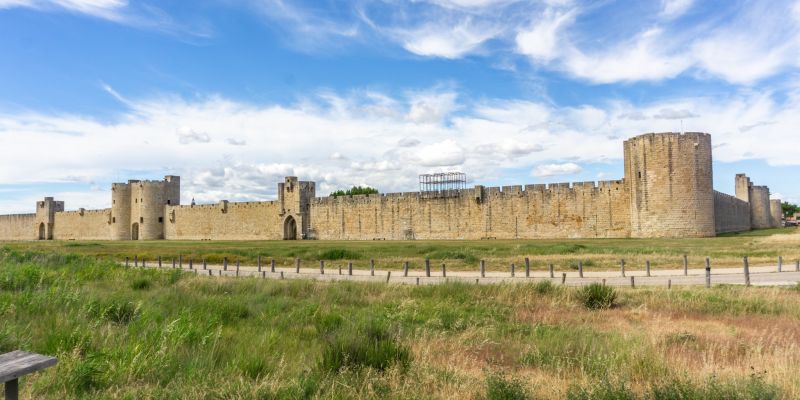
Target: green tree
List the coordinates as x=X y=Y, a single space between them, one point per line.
x=789 y=209
x=354 y=191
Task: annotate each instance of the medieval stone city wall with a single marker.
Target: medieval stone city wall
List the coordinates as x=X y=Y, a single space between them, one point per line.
x=667 y=191
x=82 y=225
x=581 y=210
x=730 y=213
x=224 y=221
x=18 y=227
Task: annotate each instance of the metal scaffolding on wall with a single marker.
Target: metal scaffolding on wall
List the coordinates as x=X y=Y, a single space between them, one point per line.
x=442 y=184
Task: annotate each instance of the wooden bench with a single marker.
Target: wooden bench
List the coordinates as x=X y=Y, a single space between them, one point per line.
x=19 y=363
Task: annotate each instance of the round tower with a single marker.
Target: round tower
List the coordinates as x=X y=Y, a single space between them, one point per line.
x=120 y=211
x=669 y=177
x=151 y=210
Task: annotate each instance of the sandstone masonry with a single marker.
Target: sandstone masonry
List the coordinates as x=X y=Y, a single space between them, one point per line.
x=667 y=191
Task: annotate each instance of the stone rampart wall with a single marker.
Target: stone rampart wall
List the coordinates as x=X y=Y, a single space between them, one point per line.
x=580 y=210
x=730 y=213
x=82 y=225
x=224 y=221
x=18 y=227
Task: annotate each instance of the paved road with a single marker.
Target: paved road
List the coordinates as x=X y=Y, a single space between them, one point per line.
x=761 y=276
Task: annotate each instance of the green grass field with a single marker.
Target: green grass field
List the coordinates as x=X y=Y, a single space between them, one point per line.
x=763 y=247
x=161 y=334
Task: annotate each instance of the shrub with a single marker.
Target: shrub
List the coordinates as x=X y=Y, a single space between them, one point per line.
x=140 y=284
x=338 y=254
x=117 y=311
x=597 y=296
x=498 y=388
x=370 y=347
x=604 y=390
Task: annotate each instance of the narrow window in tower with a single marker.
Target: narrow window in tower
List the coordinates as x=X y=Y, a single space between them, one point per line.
x=640 y=174
x=113 y=202
x=136 y=201
x=141 y=219
x=169 y=201
x=161 y=220
x=113 y=220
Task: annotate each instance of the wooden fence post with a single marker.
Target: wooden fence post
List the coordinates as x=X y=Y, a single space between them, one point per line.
x=159 y=261
x=340 y=269
x=281 y=274
x=205 y=263
x=685 y=264
x=144 y=263
x=427 y=267
x=622 y=267
x=126 y=262
x=669 y=283
x=388 y=275
x=237 y=266
x=405 y=268
x=483 y=269
x=797 y=265
x=322 y=267
x=513 y=270
x=551 y=271
x=633 y=284
x=258 y=263
x=297 y=265
x=372 y=267
x=417 y=281
x=136 y=261
x=563 y=278
x=180 y=261
x=647 y=265
x=272 y=265
x=527 y=268
x=349 y=268
x=580 y=269
x=780 y=264
x=746 y=271
x=224 y=263
x=708 y=272
x=190 y=263
x=173 y=262
x=444 y=270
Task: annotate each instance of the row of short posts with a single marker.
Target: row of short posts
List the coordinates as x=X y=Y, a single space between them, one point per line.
x=444 y=268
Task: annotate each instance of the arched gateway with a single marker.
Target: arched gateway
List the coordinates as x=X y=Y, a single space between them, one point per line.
x=289 y=228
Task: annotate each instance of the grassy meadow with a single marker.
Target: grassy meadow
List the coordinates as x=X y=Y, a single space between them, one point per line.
x=762 y=247
x=161 y=334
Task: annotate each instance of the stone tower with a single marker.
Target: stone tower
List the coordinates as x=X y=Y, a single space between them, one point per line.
x=776 y=213
x=137 y=207
x=45 y=217
x=758 y=197
x=669 y=177
x=295 y=199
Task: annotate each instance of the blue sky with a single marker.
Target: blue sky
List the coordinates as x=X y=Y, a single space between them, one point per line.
x=234 y=94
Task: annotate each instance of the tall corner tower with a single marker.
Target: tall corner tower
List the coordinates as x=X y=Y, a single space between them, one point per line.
x=669 y=177
x=121 y=211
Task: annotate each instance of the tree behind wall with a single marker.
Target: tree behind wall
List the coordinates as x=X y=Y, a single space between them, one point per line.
x=354 y=191
x=789 y=209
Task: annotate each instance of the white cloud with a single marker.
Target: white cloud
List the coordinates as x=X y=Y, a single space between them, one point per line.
x=329 y=140
x=542 y=41
x=671 y=113
x=446 y=40
x=236 y=142
x=675 y=8
x=139 y=15
x=556 y=169
x=188 y=135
